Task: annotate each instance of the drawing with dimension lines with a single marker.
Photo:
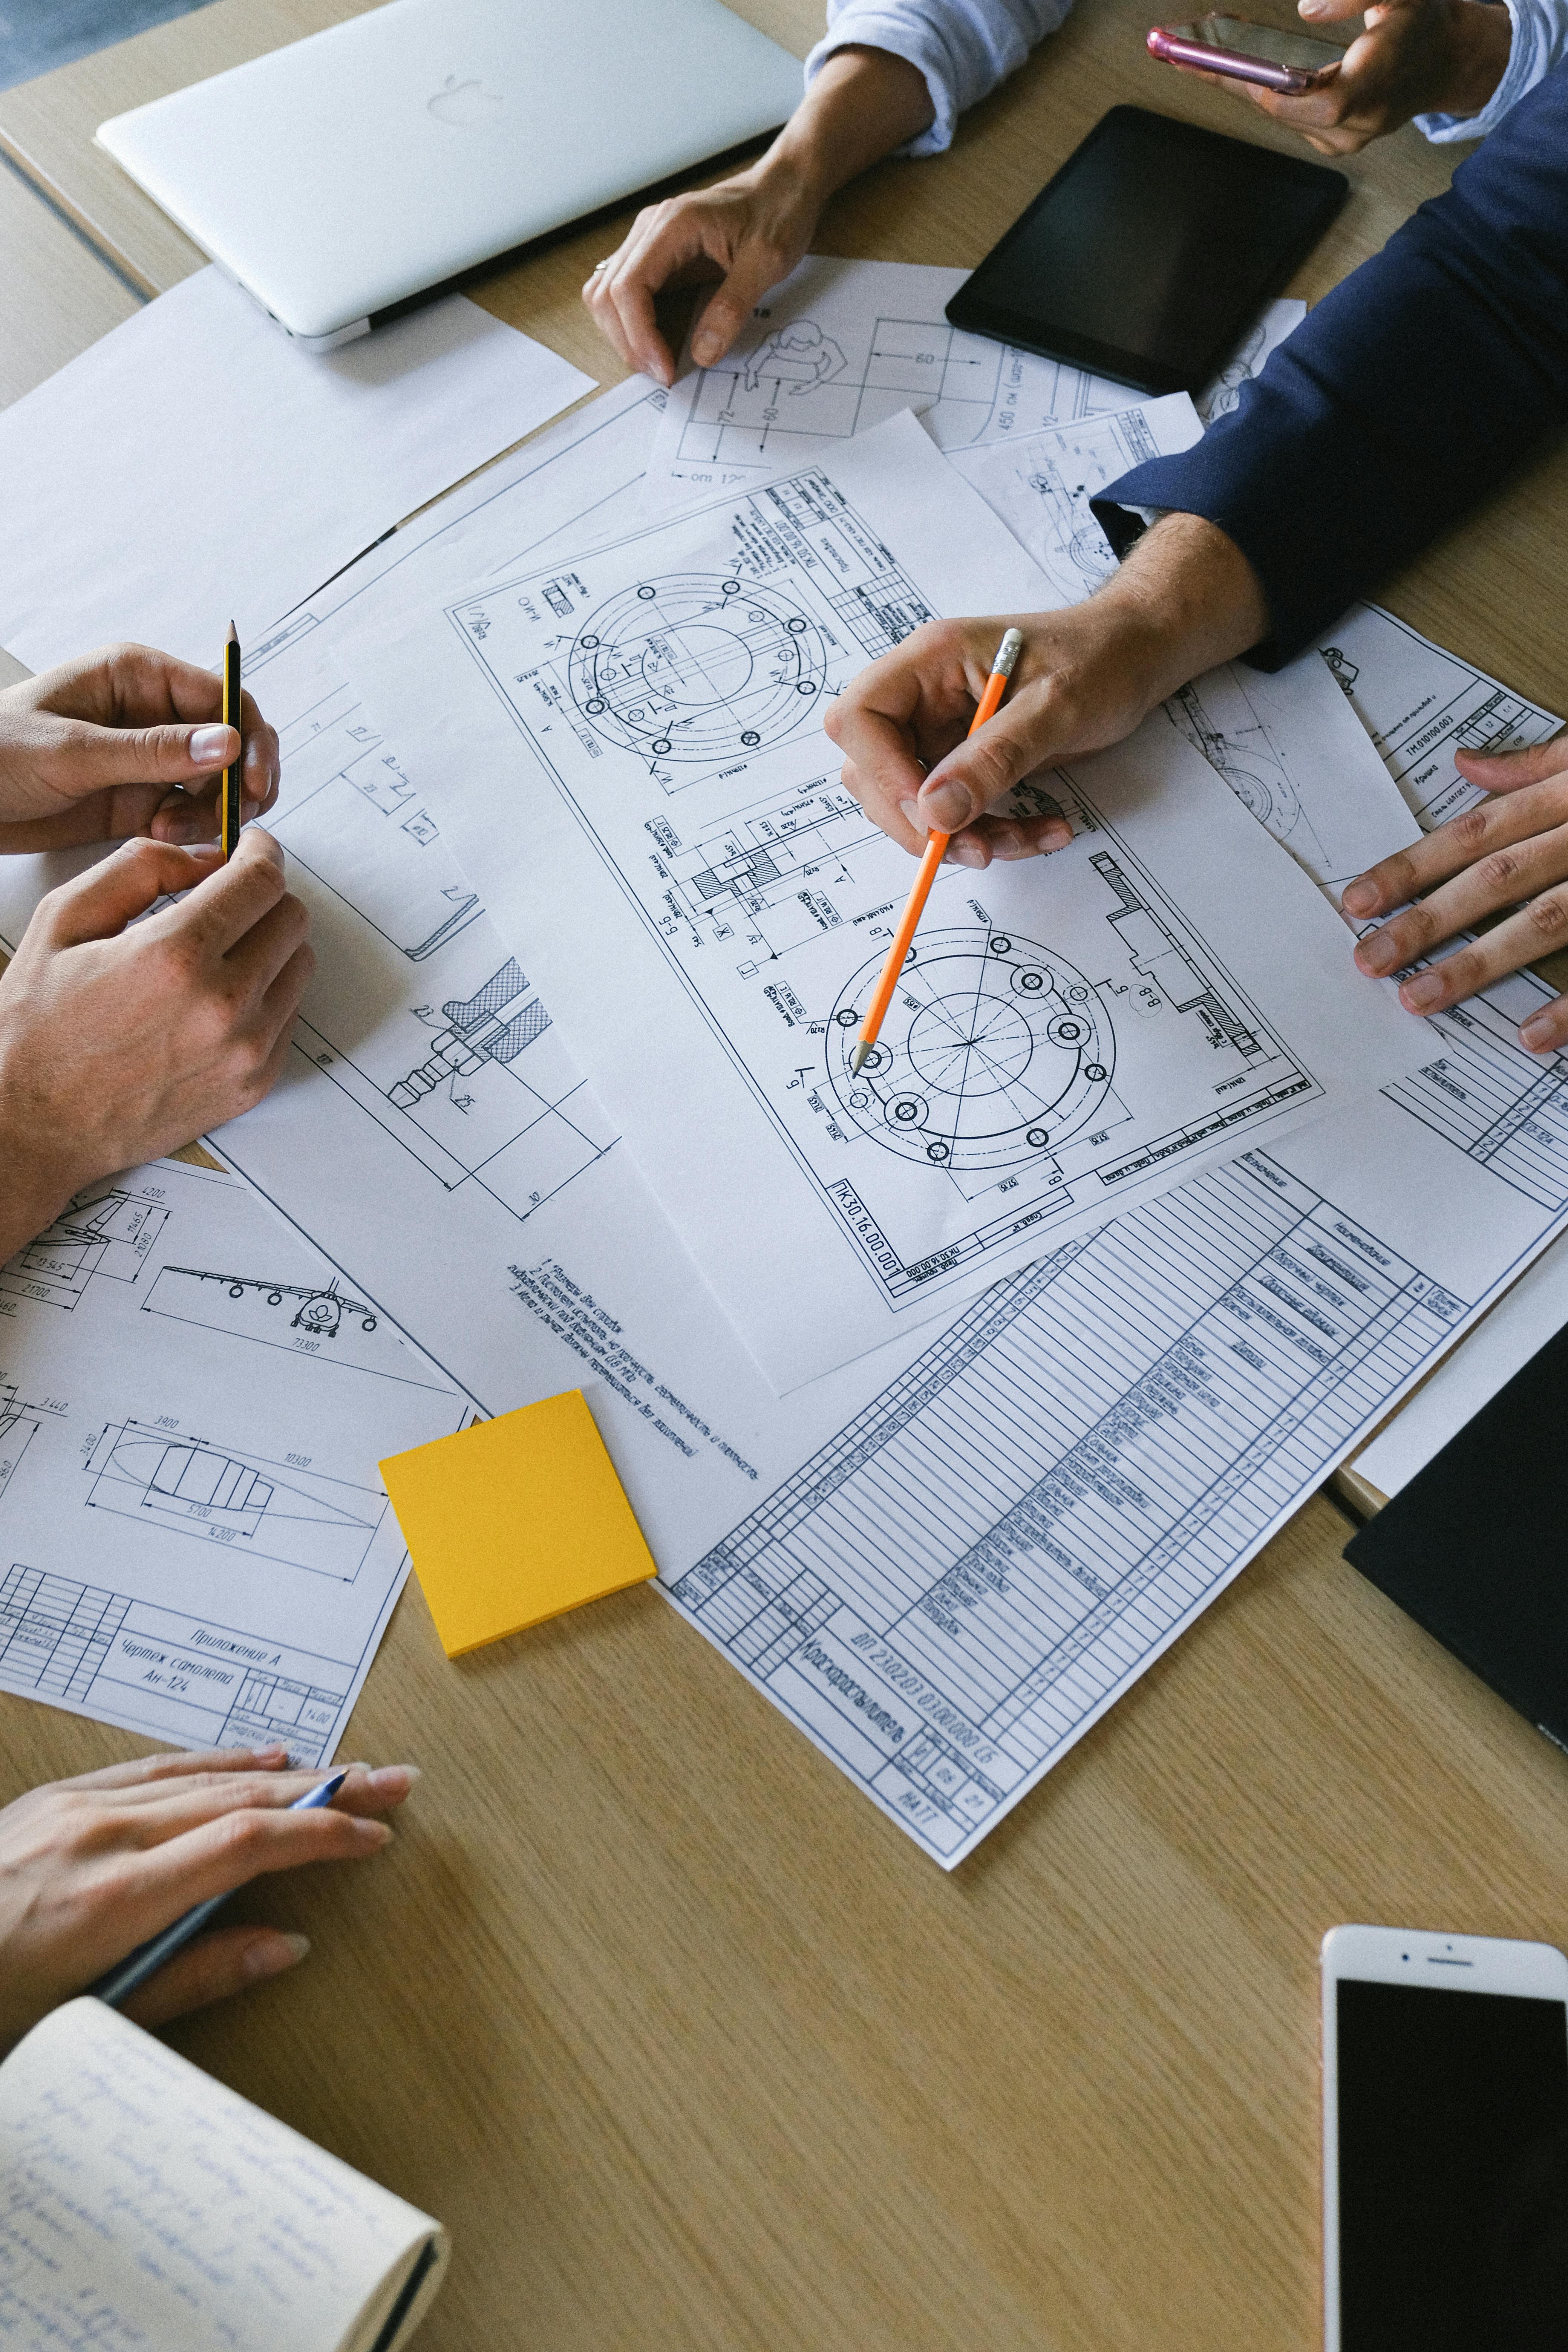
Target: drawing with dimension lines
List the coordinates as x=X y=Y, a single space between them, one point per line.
x=475 y=1087
x=109 y=1234
x=250 y=1508
x=18 y=1421
x=1065 y=1036
x=323 y=1319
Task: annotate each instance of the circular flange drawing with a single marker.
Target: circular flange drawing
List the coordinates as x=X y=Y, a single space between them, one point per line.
x=695 y=667
x=994 y=1052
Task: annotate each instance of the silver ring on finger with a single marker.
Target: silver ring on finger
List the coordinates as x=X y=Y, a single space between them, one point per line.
x=599 y=266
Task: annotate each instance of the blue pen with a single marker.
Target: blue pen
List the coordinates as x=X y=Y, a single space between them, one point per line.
x=134 y=1970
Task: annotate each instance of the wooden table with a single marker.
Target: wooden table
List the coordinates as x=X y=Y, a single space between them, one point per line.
x=691 y=2049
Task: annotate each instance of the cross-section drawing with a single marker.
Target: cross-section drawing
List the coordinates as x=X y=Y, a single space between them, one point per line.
x=490 y=1100
x=994 y=1052
x=263 y=1510
x=110 y=1234
x=696 y=667
x=19 y=1422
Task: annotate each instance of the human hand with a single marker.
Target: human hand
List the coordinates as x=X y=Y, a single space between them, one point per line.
x=1510 y=852
x=749 y=231
x=1415 y=56
x=1184 y=599
x=91 y=1867
x=99 y=749
x=118 y=1044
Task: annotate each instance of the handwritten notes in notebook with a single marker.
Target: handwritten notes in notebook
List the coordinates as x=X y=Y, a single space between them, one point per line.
x=142 y=2204
x=515 y=1520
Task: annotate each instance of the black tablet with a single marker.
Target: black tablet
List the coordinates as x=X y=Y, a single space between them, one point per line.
x=1150 y=250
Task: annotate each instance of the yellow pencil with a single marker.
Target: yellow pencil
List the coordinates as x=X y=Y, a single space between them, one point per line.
x=1008 y=653
x=229 y=806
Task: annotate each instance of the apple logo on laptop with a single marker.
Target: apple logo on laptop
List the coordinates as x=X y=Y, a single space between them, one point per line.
x=465 y=102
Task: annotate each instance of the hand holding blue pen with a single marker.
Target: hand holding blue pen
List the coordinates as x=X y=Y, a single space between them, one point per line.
x=118 y=1984
x=121 y=1857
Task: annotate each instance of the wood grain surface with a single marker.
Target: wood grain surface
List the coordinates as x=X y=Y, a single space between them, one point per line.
x=691 y=2049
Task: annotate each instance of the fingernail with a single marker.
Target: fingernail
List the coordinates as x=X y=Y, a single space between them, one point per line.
x=1359 y=898
x=209 y=746
x=269 y=1954
x=910 y=812
x=275 y=1752
x=1421 y=993
x=373 y=1833
x=391 y=1776
x=1377 y=954
x=1539 y=1033
x=946 y=806
x=967 y=850
x=182 y=830
x=248 y=810
x=1057 y=836
x=705 y=349
x=1312 y=7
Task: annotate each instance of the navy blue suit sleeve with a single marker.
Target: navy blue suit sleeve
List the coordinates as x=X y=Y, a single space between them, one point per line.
x=1403 y=398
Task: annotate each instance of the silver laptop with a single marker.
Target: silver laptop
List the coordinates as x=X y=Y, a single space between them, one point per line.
x=350 y=171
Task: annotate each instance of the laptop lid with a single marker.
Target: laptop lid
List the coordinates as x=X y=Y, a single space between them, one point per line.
x=344 y=174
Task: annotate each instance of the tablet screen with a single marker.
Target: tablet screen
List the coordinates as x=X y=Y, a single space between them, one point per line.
x=1151 y=249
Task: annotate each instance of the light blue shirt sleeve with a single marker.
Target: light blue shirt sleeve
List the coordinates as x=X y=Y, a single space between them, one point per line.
x=1540 y=42
x=964 y=48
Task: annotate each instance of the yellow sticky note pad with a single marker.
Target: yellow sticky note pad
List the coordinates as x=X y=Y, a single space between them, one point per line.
x=515 y=1520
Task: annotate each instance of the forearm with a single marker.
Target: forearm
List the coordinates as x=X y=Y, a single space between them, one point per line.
x=863 y=104
x=1185 y=600
x=1403 y=399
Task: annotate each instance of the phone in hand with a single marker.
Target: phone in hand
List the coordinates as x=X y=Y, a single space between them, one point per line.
x=1291 y=62
x=1445 y=2142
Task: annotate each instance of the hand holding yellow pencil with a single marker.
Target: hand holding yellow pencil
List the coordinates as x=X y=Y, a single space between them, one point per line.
x=1008 y=653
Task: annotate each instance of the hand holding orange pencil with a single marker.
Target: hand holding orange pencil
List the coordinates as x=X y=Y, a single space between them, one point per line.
x=1008 y=653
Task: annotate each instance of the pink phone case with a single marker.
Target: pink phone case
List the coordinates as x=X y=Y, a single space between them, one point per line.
x=1166 y=43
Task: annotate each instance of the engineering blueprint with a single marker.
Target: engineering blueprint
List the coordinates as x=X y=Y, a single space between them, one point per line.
x=1067 y=1036
x=1307 y=771
x=193 y=1539
x=1039 y=484
x=1420 y=705
x=1455 y=1178
x=840 y=346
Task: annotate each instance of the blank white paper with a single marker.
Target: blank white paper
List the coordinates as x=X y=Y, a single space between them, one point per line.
x=195 y=466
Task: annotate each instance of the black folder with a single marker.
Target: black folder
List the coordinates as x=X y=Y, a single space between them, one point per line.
x=1476 y=1547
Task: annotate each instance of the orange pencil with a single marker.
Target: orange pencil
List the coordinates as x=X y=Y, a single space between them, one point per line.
x=1008 y=653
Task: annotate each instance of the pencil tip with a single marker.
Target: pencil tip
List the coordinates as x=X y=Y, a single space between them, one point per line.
x=861 y=1054
x=233 y=635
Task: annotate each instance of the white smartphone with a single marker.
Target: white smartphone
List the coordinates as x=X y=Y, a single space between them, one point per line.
x=1444 y=2143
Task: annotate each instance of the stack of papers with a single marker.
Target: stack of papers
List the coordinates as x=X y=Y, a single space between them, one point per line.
x=945 y=1400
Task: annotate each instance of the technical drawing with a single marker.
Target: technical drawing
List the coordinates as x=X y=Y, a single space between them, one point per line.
x=355 y=822
x=798 y=381
x=1238 y=746
x=696 y=667
x=261 y=1509
x=798 y=354
x=110 y=1234
x=19 y=1422
x=319 y=1319
x=993 y=1052
x=1063 y=1065
x=491 y=1099
x=478 y=1033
